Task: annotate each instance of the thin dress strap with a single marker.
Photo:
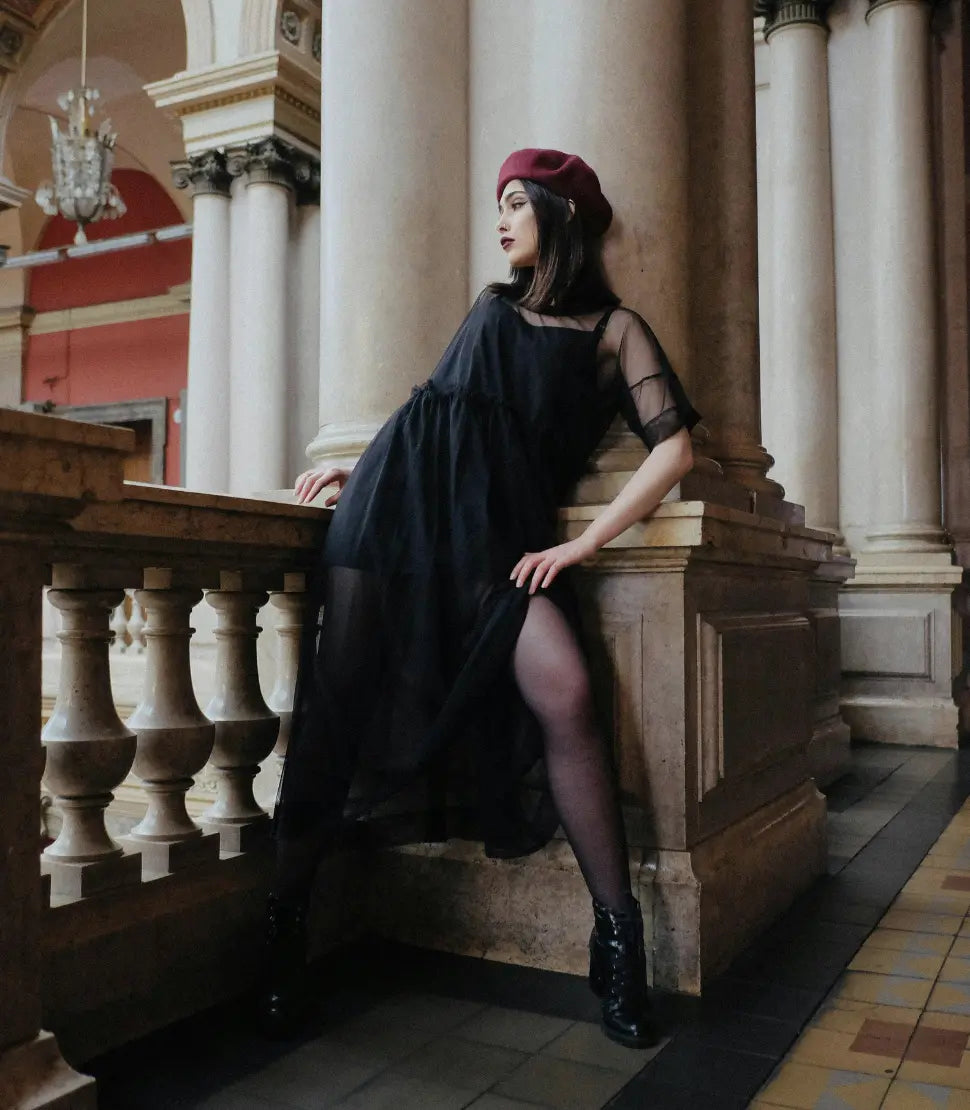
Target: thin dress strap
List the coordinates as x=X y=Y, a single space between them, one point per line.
x=602 y=322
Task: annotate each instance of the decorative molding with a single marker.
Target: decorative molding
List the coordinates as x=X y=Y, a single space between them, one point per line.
x=291 y=27
x=205 y=174
x=272 y=161
x=307 y=180
x=273 y=93
x=174 y=303
x=16 y=316
x=789 y=13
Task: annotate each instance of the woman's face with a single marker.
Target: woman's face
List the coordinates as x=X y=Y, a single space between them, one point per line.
x=517 y=227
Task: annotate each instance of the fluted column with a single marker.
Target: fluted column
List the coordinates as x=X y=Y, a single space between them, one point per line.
x=393 y=257
x=724 y=248
x=89 y=750
x=174 y=737
x=801 y=411
x=206 y=425
x=905 y=457
x=258 y=436
x=246 y=729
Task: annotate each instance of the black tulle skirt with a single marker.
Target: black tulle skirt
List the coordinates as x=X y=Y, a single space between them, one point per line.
x=407 y=723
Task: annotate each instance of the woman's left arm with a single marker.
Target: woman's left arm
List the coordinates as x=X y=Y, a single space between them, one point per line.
x=663 y=468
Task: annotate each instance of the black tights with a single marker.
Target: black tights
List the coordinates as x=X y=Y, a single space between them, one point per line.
x=552 y=677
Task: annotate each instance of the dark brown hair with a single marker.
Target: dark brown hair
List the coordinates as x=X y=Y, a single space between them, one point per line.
x=567 y=276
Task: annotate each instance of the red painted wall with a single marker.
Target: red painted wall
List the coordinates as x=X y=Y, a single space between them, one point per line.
x=113 y=362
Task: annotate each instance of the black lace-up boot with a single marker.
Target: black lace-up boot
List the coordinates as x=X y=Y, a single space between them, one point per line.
x=618 y=974
x=283 y=1001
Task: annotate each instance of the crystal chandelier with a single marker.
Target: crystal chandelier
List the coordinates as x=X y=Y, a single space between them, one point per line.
x=82 y=158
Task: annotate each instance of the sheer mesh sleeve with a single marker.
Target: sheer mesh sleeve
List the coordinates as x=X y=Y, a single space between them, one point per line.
x=651 y=398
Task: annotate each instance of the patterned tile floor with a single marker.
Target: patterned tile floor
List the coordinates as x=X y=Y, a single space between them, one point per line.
x=893 y=1032
x=859 y=997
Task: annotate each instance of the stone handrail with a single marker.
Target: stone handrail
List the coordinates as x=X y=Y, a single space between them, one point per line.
x=70 y=522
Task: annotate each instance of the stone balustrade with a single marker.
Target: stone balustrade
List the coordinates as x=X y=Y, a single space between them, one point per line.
x=712 y=638
x=102 y=925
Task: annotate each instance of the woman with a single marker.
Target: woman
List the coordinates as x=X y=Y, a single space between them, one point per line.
x=448 y=654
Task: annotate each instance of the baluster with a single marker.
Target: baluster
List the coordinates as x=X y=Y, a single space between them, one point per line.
x=245 y=727
x=119 y=626
x=174 y=737
x=136 y=628
x=290 y=603
x=89 y=750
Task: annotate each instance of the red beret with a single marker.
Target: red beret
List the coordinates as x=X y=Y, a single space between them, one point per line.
x=564 y=174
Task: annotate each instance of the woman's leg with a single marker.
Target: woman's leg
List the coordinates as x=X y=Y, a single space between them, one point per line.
x=552 y=676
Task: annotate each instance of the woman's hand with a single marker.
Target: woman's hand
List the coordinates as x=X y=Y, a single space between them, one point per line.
x=543 y=566
x=310 y=482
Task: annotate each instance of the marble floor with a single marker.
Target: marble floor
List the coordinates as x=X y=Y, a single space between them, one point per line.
x=859 y=997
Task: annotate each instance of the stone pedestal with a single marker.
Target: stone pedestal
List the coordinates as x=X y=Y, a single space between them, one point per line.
x=829 y=749
x=687 y=616
x=901 y=648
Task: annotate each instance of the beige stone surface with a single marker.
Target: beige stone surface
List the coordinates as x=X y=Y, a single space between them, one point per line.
x=722 y=189
x=34 y=1076
x=799 y=387
x=901 y=649
x=390 y=72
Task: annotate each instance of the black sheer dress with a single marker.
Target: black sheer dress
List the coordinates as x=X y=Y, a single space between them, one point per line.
x=404 y=684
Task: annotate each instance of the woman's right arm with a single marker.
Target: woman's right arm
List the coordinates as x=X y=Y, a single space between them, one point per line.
x=311 y=482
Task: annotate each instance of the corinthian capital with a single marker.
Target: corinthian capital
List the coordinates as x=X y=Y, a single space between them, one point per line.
x=266 y=160
x=785 y=13
x=204 y=173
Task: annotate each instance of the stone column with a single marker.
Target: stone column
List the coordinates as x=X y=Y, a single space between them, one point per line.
x=304 y=324
x=723 y=246
x=802 y=411
x=206 y=424
x=901 y=641
x=800 y=393
x=906 y=453
x=628 y=118
x=393 y=254
x=258 y=403
x=14 y=328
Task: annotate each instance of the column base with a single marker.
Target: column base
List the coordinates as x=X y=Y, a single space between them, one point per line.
x=700 y=907
x=748 y=465
x=160 y=858
x=342 y=443
x=34 y=1076
x=931 y=722
x=71 y=881
x=901 y=647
